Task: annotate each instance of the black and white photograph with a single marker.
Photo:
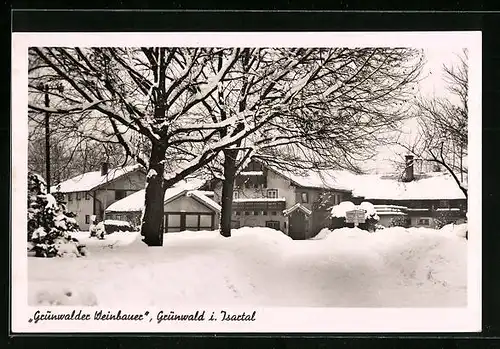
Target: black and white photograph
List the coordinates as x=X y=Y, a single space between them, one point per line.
x=247 y=182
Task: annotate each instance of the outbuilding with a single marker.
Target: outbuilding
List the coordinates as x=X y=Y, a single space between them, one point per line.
x=185 y=208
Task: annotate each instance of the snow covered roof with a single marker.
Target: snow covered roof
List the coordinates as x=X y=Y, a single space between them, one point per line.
x=201 y=197
x=251 y=173
x=430 y=186
x=324 y=179
x=91 y=180
x=208 y=193
x=297 y=206
x=132 y=203
x=135 y=201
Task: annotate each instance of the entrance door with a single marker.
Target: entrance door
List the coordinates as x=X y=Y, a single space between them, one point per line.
x=297 y=225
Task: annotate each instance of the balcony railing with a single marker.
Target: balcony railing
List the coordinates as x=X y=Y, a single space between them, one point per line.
x=259 y=204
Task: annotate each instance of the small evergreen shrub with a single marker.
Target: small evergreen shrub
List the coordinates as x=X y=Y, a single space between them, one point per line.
x=444 y=218
x=400 y=221
x=49 y=223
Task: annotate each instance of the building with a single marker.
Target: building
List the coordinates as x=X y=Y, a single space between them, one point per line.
x=298 y=205
x=424 y=199
x=185 y=208
x=92 y=192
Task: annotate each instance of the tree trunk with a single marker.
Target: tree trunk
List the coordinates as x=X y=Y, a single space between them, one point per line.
x=152 y=220
x=227 y=191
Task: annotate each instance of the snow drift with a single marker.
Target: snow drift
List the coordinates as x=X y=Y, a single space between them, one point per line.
x=394 y=267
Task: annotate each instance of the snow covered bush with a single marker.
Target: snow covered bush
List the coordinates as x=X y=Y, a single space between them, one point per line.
x=339 y=214
x=400 y=221
x=97 y=230
x=444 y=218
x=371 y=216
x=49 y=223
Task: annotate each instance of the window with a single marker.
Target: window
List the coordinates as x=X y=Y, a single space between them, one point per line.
x=120 y=194
x=274 y=213
x=254 y=166
x=87 y=196
x=87 y=219
x=255 y=213
x=247 y=213
x=273 y=224
x=236 y=195
x=118 y=217
x=173 y=222
x=238 y=213
x=205 y=222
x=423 y=221
x=305 y=197
x=176 y=222
x=78 y=196
x=70 y=197
x=272 y=193
x=192 y=221
x=264 y=213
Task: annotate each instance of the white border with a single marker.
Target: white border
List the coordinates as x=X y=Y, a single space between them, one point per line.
x=302 y=320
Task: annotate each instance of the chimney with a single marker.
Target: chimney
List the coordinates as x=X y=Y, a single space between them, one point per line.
x=409 y=176
x=104 y=168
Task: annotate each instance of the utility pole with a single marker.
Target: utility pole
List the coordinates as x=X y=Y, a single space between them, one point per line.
x=47 y=138
x=45 y=89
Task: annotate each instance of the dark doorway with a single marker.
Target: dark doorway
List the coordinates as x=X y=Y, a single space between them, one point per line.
x=297 y=225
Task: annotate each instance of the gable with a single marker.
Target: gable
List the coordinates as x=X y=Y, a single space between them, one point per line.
x=134 y=180
x=187 y=204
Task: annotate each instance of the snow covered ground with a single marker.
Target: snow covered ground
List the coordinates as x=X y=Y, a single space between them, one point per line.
x=393 y=267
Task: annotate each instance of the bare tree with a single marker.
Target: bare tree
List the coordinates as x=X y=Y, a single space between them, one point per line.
x=333 y=106
x=443 y=131
x=191 y=104
x=157 y=93
x=71 y=151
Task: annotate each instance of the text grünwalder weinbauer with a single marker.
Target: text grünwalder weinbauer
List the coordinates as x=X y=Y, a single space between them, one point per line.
x=161 y=316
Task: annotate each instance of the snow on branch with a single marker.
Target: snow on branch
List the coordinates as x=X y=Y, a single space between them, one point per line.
x=209 y=126
x=212 y=82
x=80 y=108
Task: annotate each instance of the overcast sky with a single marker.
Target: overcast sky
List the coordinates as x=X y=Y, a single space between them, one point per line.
x=432 y=84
